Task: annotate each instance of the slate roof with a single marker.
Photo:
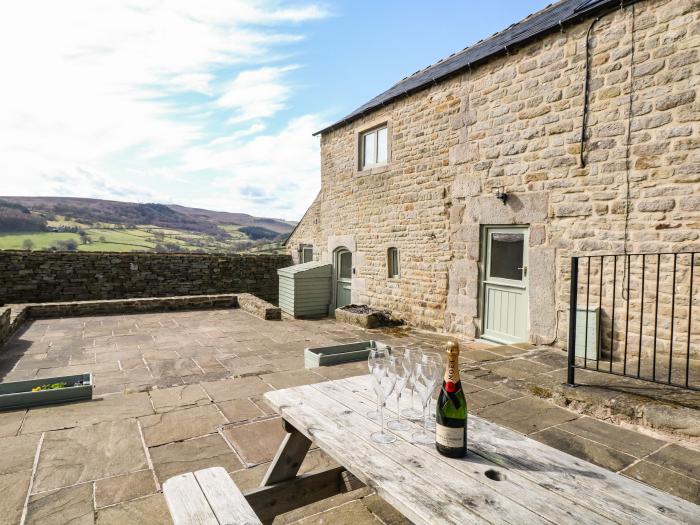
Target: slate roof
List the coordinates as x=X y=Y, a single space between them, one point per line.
x=552 y=17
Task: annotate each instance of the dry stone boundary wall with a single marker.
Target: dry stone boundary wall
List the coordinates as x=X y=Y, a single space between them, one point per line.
x=39 y=277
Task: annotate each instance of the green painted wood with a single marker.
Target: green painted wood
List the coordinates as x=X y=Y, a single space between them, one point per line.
x=305 y=289
x=18 y=394
x=336 y=354
x=505 y=295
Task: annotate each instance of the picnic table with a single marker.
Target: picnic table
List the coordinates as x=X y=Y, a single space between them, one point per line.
x=505 y=478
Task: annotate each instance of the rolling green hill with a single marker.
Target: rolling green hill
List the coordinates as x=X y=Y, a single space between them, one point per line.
x=37 y=223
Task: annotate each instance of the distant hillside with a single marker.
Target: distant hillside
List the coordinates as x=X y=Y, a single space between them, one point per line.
x=74 y=224
x=242 y=219
x=163 y=215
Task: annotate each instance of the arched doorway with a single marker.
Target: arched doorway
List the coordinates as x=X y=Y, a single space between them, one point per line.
x=342 y=276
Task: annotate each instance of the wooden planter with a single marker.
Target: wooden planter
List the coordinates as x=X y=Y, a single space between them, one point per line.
x=334 y=355
x=18 y=394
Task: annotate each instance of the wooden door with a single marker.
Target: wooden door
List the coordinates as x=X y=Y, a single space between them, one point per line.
x=343 y=277
x=504 y=287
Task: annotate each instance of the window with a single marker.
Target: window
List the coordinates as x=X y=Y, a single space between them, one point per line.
x=393 y=262
x=307 y=253
x=374 y=149
x=345 y=265
x=507 y=256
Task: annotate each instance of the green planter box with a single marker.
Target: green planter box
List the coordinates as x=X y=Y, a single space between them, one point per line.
x=18 y=394
x=334 y=355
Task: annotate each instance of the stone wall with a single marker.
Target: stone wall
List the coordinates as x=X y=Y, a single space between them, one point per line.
x=516 y=122
x=5 y=325
x=37 y=277
x=259 y=308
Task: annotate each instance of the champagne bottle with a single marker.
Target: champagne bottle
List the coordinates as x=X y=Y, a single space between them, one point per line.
x=451 y=416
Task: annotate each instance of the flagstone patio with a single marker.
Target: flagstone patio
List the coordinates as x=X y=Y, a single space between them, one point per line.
x=176 y=392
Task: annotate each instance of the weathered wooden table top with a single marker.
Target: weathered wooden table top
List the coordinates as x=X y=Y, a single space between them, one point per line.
x=505 y=478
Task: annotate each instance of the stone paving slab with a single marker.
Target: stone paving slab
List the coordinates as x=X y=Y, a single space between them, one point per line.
x=351 y=513
x=677 y=458
x=167 y=399
x=13 y=487
x=84 y=413
x=87 y=453
x=517 y=368
x=151 y=510
x=237 y=410
x=629 y=441
x=72 y=505
x=666 y=480
x=256 y=442
x=110 y=491
x=193 y=454
x=235 y=388
x=17 y=453
x=292 y=378
x=583 y=448
x=177 y=425
x=526 y=414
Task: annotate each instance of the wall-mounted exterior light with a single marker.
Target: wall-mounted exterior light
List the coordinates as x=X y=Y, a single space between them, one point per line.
x=501 y=194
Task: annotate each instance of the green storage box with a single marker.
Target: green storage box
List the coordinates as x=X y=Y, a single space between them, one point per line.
x=305 y=289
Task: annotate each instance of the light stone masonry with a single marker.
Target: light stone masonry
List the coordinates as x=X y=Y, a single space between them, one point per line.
x=515 y=121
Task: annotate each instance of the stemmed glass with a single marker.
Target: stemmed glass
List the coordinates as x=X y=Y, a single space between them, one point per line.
x=374 y=354
x=412 y=355
x=383 y=379
x=403 y=369
x=426 y=373
x=432 y=401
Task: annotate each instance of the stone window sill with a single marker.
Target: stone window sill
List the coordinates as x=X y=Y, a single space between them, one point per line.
x=374 y=171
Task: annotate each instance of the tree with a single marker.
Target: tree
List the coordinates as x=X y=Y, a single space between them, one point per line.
x=103 y=238
x=69 y=245
x=27 y=244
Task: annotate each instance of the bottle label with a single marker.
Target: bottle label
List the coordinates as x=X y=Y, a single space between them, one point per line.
x=452 y=370
x=449 y=436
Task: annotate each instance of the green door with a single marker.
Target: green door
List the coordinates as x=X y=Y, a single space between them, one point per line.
x=343 y=277
x=504 y=286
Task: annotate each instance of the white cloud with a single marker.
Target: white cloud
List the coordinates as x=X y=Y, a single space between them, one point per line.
x=80 y=182
x=256 y=94
x=273 y=174
x=88 y=97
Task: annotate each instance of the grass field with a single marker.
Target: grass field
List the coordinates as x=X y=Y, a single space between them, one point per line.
x=41 y=240
x=144 y=237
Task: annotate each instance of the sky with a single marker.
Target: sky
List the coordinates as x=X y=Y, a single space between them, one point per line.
x=205 y=103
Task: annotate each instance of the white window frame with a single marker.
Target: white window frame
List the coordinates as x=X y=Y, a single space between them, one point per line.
x=374 y=131
x=391 y=261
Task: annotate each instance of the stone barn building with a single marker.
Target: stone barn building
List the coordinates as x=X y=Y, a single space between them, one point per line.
x=457 y=197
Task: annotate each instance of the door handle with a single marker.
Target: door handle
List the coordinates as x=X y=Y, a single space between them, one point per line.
x=523 y=268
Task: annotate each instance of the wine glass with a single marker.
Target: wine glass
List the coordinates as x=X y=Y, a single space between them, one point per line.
x=403 y=369
x=412 y=355
x=426 y=374
x=432 y=401
x=378 y=352
x=383 y=380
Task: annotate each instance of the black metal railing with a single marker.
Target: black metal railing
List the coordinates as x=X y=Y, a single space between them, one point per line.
x=633 y=315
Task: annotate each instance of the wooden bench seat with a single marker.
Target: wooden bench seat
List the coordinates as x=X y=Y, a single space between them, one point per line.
x=207 y=497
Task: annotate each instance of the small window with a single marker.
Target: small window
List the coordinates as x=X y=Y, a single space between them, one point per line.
x=374 y=147
x=307 y=254
x=393 y=262
x=345 y=265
